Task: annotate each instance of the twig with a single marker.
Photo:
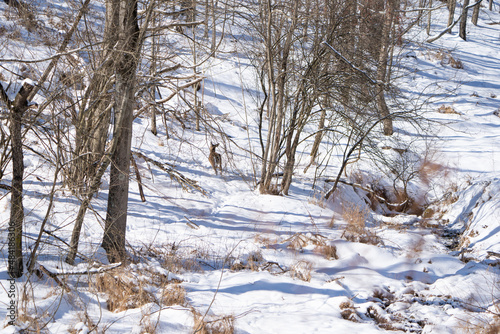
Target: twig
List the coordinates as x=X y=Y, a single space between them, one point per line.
x=54 y=277
x=92 y=271
x=349 y=63
x=185 y=182
x=379 y=198
x=138 y=177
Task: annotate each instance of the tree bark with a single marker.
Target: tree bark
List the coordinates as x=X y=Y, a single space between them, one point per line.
x=463 y=21
x=429 y=18
x=475 y=13
x=17 y=108
x=452 y=5
x=127 y=60
x=391 y=7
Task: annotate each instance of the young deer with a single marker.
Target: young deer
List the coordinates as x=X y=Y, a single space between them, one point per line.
x=214 y=158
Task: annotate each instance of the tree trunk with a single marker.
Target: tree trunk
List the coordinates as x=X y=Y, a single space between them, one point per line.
x=15 y=235
x=318 y=137
x=429 y=18
x=92 y=128
x=475 y=13
x=452 y=5
x=463 y=21
x=116 y=217
x=391 y=7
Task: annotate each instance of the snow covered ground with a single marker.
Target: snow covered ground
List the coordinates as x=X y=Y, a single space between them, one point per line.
x=294 y=264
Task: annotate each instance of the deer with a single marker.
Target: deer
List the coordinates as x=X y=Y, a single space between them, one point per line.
x=214 y=158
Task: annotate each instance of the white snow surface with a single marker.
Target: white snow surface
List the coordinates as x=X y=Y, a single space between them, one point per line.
x=257 y=258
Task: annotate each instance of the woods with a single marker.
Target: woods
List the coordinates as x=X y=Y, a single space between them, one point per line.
x=325 y=64
x=117 y=106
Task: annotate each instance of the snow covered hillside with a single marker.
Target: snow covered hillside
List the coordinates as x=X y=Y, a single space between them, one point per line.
x=215 y=255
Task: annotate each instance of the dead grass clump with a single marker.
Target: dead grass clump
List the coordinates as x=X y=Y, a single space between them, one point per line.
x=173 y=294
x=429 y=170
x=446 y=58
x=302 y=270
x=355 y=217
x=493 y=328
x=328 y=251
x=415 y=248
x=382 y=318
x=383 y=296
x=147 y=326
x=299 y=240
x=348 y=312
x=456 y=63
x=122 y=294
x=84 y=323
x=253 y=262
x=268 y=242
x=355 y=230
x=224 y=325
x=318 y=199
x=447 y=110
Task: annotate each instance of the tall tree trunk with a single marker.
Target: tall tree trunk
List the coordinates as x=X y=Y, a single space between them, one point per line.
x=317 y=138
x=463 y=21
x=92 y=127
x=391 y=7
x=475 y=13
x=452 y=5
x=15 y=235
x=429 y=18
x=127 y=60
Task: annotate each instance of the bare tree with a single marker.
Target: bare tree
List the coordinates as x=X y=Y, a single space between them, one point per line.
x=126 y=61
x=463 y=20
x=16 y=108
x=475 y=12
x=452 y=5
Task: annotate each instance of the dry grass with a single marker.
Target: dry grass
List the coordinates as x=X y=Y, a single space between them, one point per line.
x=355 y=230
x=493 y=328
x=302 y=270
x=122 y=294
x=382 y=318
x=383 y=294
x=83 y=320
x=224 y=325
x=266 y=240
x=447 y=110
x=318 y=199
x=172 y=260
x=348 y=311
x=253 y=262
x=125 y=290
x=415 y=248
x=328 y=251
x=428 y=169
x=355 y=217
x=446 y=58
x=173 y=294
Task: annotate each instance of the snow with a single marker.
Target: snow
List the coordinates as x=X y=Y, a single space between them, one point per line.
x=258 y=258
